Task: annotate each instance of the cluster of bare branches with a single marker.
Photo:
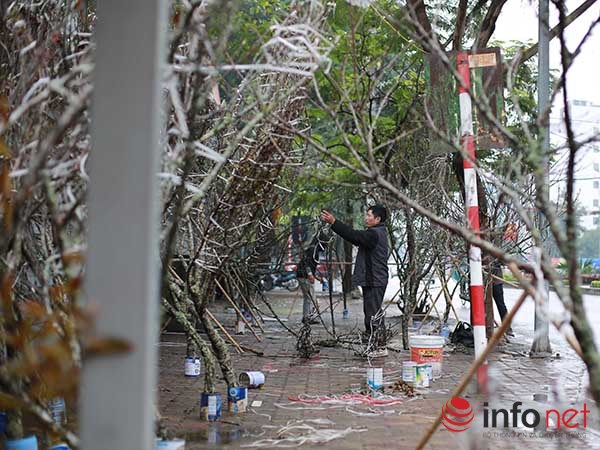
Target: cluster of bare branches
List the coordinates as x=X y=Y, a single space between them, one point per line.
x=226 y=144
x=227 y=147
x=45 y=68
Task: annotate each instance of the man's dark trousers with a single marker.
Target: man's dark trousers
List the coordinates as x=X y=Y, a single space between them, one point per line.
x=372 y=301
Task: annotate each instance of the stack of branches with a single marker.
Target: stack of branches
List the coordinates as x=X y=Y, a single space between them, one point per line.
x=45 y=87
x=220 y=209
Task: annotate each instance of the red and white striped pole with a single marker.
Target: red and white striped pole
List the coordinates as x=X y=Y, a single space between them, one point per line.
x=472 y=209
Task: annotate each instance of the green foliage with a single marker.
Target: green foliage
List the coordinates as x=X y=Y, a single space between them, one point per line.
x=508 y=276
x=595 y=284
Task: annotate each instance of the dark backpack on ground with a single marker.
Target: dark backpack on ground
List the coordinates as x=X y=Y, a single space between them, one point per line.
x=463 y=334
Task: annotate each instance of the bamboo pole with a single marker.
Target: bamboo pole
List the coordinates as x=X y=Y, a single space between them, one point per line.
x=233 y=341
x=433 y=302
x=249 y=309
x=246 y=302
x=296 y=297
x=447 y=295
x=238 y=310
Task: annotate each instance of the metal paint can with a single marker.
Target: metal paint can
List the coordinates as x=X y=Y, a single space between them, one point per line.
x=240 y=327
x=210 y=407
x=193 y=367
x=409 y=372
x=252 y=379
x=237 y=399
x=58 y=410
x=422 y=375
x=375 y=378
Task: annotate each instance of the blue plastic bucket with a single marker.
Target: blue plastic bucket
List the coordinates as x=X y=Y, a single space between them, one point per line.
x=237 y=399
x=210 y=407
x=174 y=444
x=28 y=443
x=60 y=447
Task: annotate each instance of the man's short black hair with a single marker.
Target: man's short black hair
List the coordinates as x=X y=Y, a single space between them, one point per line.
x=379 y=211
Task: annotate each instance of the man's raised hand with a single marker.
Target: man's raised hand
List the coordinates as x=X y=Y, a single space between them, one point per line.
x=327 y=217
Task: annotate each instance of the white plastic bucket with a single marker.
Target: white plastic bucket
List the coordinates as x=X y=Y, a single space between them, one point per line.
x=427 y=350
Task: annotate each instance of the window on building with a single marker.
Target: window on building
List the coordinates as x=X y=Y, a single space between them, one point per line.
x=596 y=149
x=597 y=167
x=596 y=184
x=596 y=202
x=596 y=220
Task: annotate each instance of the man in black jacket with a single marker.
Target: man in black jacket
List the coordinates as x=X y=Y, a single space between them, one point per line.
x=370 y=269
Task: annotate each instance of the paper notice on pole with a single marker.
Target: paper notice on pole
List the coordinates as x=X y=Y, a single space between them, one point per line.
x=482 y=60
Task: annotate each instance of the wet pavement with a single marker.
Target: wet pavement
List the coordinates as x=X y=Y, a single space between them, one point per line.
x=322 y=401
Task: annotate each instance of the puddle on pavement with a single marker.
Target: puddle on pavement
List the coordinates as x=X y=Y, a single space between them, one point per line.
x=219 y=434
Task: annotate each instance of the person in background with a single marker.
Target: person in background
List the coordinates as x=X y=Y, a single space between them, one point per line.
x=306 y=273
x=370 y=269
x=498 y=291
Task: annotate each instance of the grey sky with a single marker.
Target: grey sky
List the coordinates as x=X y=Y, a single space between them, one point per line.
x=518 y=21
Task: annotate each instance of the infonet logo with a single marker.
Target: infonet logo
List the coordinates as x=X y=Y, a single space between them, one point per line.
x=457 y=414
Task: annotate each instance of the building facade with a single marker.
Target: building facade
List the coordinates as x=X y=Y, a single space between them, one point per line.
x=585 y=119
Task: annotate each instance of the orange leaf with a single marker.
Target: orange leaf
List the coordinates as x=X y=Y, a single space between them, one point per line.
x=72 y=257
x=56 y=291
x=9 y=402
x=33 y=310
x=106 y=346
x=4 y=108
x=5 y=181
x=73 y=285
x=4 y=150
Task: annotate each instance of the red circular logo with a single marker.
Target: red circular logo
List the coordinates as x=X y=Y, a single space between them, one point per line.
x=457 y=414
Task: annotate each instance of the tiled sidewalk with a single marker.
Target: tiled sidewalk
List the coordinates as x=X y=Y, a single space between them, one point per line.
x=337 y=371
